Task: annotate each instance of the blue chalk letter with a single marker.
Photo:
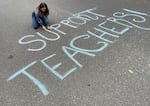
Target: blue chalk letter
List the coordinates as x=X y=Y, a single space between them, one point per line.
x=33 y=79
x=75 y=52
x=103 y=44
x=53 y=68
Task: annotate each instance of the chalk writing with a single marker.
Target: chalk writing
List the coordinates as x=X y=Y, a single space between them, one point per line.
x=105 y=32
x=33 y=79
x=75 y=21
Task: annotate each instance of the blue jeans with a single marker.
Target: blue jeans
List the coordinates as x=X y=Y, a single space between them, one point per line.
x=35 y=23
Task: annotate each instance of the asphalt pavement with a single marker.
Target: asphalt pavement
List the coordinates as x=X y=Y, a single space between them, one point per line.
x=97 y=54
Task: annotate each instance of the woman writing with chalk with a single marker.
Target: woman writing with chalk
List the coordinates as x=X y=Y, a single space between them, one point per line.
x=40 y=17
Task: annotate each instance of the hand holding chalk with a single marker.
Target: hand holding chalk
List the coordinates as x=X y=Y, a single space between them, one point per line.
x=49 y=27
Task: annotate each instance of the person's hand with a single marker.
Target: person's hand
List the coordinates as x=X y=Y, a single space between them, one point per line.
x=44 y=27
x=49 y=27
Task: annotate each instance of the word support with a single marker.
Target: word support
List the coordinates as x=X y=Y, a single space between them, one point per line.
x=105 y=33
